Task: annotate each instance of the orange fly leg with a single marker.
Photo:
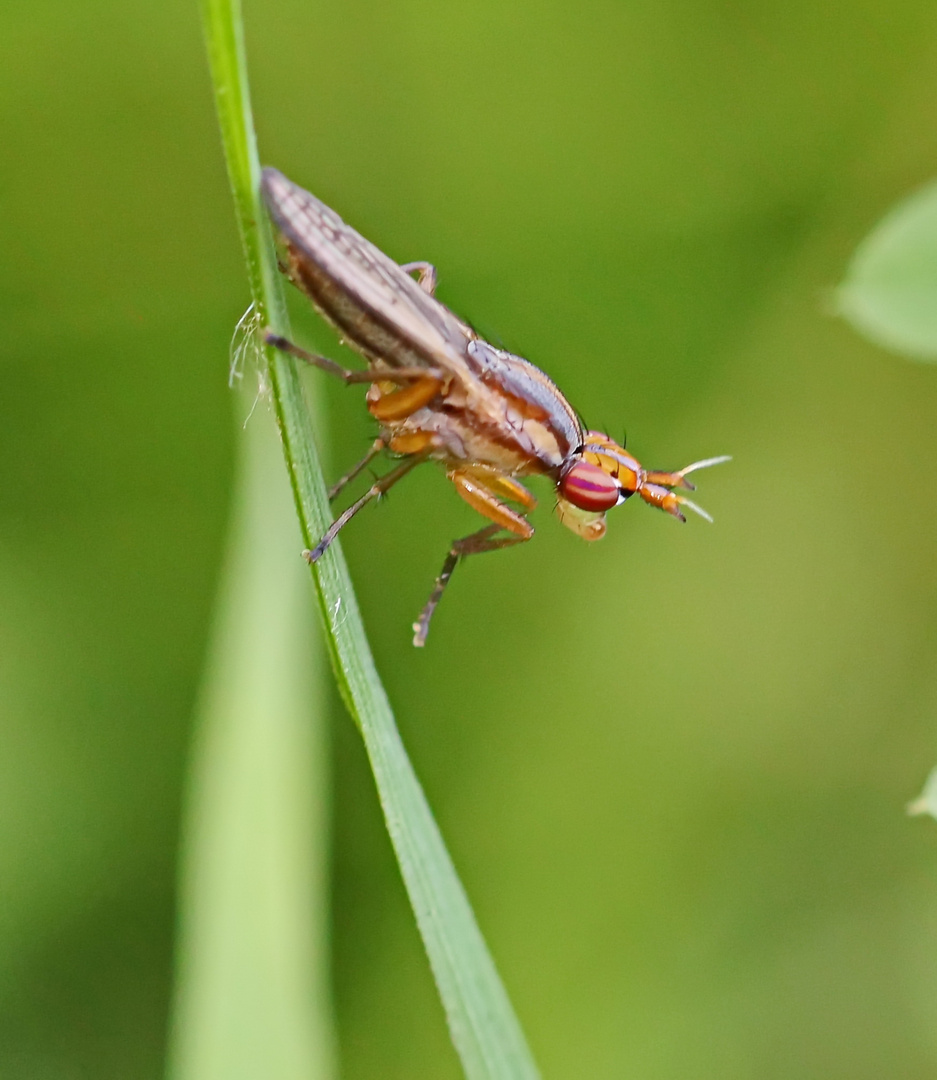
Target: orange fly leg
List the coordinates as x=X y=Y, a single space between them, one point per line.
x=669 y=480
x=412 y=442
x=480 y=486
x=480 y=497
x=399 y=404
x=501 y=484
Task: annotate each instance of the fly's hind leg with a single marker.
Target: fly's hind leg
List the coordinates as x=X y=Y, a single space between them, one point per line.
x=375 y=491
x=478 y=486
x=368 y=375
x=427 y=272
x=373 y=450
x=406 y=444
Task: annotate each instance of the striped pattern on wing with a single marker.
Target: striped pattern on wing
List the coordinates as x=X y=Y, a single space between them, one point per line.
x=371 y=286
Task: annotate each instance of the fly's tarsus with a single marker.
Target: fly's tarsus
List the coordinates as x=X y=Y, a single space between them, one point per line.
x=476 y=544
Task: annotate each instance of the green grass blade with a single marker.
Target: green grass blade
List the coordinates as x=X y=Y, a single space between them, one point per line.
x=481 y=1020
x=252 y=994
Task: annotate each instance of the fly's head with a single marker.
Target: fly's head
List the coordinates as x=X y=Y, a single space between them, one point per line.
x=601 y=474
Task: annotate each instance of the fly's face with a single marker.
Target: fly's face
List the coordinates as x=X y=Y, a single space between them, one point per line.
x=601 y=475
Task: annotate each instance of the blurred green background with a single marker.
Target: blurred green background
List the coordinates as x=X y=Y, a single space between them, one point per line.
x=671 y=767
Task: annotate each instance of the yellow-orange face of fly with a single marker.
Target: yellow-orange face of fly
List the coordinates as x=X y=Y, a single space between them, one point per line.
x=614 y=461
x=603 y=474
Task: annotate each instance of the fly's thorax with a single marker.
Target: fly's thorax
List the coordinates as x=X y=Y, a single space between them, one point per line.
x=476 y=421
x=455 y=437
x=528 y=394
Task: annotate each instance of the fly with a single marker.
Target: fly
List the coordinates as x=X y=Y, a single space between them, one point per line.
x=441 y=393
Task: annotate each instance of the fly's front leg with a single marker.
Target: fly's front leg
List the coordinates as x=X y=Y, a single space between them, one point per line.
x=481 y=541
x=427 y=272
x=483 y=488
x=477 y=485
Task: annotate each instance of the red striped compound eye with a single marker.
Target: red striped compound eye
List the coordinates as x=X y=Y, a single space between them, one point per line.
x=590 y=488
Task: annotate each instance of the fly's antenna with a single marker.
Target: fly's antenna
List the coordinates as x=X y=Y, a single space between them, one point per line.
x=704 y=464
x=690 y=505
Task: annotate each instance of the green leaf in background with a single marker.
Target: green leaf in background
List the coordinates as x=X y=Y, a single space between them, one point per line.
x=252 y=992
x=926 y=802
x=890 y=291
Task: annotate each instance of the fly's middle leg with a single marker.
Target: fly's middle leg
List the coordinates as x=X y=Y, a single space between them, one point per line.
x=406 y=444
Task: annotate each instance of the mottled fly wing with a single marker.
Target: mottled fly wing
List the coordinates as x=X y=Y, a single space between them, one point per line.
x=377 y=308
